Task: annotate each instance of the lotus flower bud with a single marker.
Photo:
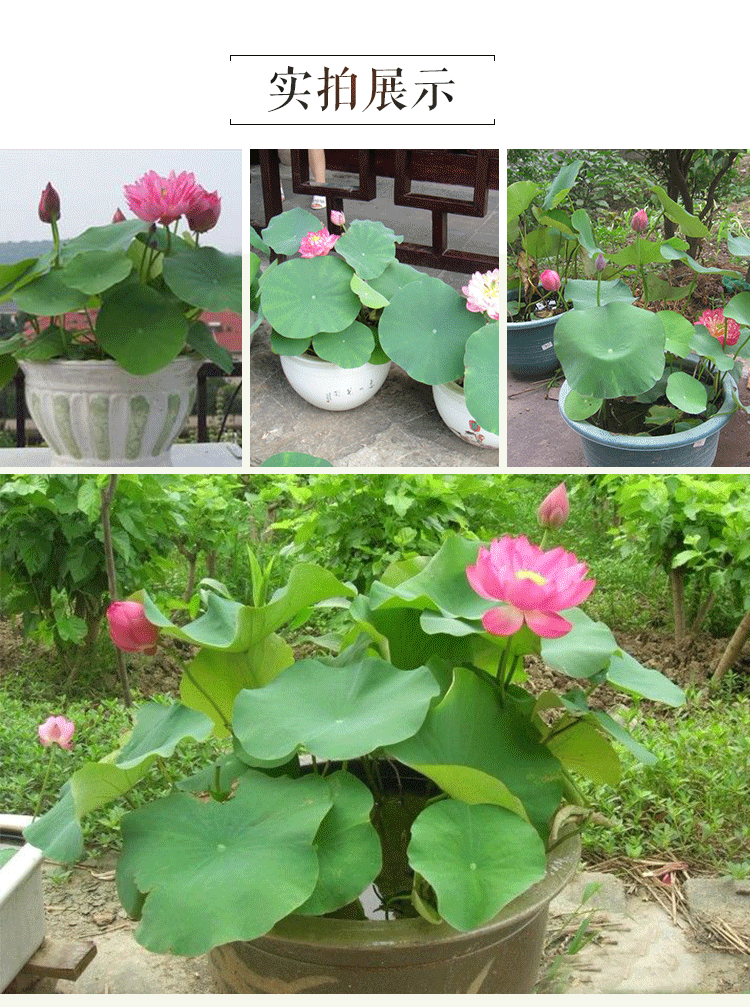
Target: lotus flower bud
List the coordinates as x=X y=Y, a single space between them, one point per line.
x=337 y=218
x=600 y=263
x=49 y=205
x=204 y=213
x=56 y=731
x=130 y=629
x=550 y=280
x=554 y=509
x=639 y=222
x=118 y=217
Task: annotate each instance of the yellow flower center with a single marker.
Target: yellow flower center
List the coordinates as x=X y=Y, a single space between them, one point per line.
x=531 y=575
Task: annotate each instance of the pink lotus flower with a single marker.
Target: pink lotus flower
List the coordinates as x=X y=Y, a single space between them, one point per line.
x=118 y=217
x=155 y=198
x=534 y=585
x=317 y=243
x=130 y=629
x=726 y=330
x=204 y=213
x=550 y=280
x=49 y=205
x=483 y=293
x=56 y=731
x=338 y=218
x=554 y=509
x=639 y=222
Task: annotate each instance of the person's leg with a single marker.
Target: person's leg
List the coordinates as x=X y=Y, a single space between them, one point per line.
x=318 y=172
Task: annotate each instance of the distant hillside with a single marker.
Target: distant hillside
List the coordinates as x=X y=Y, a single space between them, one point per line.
x=14 y=251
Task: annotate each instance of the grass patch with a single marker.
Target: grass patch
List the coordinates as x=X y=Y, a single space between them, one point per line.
x=692 y=804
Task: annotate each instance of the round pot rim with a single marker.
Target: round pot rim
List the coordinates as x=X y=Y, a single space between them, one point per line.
x=533 y=323
x=63 y=365
x=631 y=442
x=324 y=932
x=307 y=361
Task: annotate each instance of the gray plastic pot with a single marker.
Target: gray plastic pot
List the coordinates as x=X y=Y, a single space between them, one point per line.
x=694 y=448
x=531 y=346
x=313 y=954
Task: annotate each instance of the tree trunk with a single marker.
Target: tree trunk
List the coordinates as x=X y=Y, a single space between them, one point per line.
x=677 y=581
x=732 y=651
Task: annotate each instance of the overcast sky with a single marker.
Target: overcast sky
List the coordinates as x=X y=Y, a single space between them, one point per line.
x=90 y=183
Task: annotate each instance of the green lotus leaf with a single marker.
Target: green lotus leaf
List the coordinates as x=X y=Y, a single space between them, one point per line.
x=627 y=674
x=368 y=246
x=13 y=274
x=460 y=733
x=368 y=295
x=286 y=230
x=201 y=339
x=688 y=223
x=618 y=732
x=96 y=271
x=686 y=392
x=289 y=347
x=679 y=332
x=584 y=651
x=217 y=872
x=205 y=278
x=302 y=297
x=424 y=329
x=583 y=293
x=613 y=350
x=228 y=625
x=215 y=677
x=477 y=858
x=108 y=238
x=159 y=729
x=442 y=584
x=98 y=783
x=395 y=276
x=705 y=345
x=482 y=381
x=48 y=295
x=295 y=460
x=140 y=328
x=333 y=712
x=46 y=346
x=257 y=242
x=352 y=347
x=8 y=368
x=58 y=832
x=348 y=847
x=583 y=749
x=561 y=184
x=520 y=197
x=580 y=407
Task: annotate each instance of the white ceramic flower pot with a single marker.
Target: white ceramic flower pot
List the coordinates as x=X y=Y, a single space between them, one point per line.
x=451 y=404
x=21 y=900
x=328 y=386
x=92 y=412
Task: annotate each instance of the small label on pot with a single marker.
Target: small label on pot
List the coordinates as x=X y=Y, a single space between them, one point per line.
x=547 y=346
x=699 y=444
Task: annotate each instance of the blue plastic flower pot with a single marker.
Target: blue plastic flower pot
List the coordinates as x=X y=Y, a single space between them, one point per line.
x=531 y=346
x=692 y=448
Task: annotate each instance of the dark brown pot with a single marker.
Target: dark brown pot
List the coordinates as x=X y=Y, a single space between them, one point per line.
x=317 y=955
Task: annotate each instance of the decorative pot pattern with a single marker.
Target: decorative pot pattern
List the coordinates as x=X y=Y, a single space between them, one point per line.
x=92 y=412
x=318 y=955
x=688 y=449
x=451 y=404
x=21 y=900
x=328 y=386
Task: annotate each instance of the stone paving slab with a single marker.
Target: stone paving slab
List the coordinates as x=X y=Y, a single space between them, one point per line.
x=398 y=427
